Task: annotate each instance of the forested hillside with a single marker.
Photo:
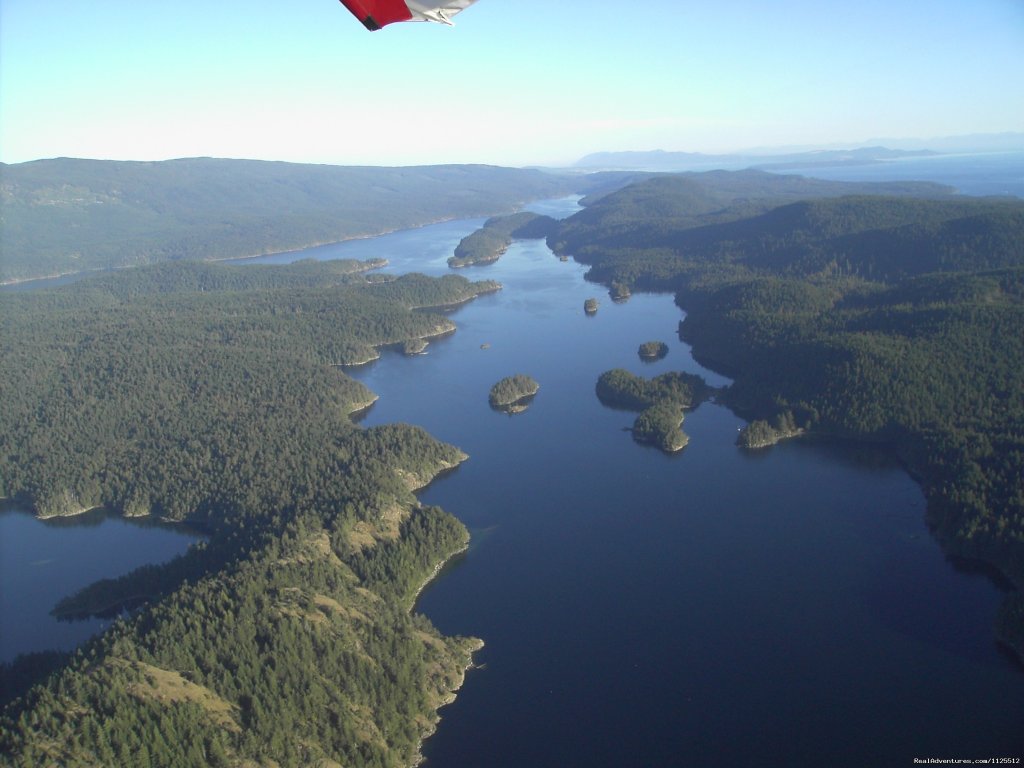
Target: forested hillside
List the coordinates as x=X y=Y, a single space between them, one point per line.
x=683 y=199
x=212 y=393
x=68 y=215
x=128 y=395
x=865 y=317
x=646 y=234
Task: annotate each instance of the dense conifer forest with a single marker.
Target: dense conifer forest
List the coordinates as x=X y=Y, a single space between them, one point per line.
x=67 y=215
x=513 y=393
x=213 y=393
x=661 y=402
x=889 y=319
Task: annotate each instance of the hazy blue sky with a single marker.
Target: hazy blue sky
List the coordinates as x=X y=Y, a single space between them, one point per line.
x=514 y=82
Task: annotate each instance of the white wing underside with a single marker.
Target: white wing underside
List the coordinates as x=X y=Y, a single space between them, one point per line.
x=439 y=12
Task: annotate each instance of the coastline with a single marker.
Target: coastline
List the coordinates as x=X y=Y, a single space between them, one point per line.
x=56 y=276
x=357 y=409
x=74 y=513
x=470 y=645
x=249 y=256
x=376 y=351
x=435 y=572
x=459 y=302
x=13 y=281
x=746 y=443
x=456 y=262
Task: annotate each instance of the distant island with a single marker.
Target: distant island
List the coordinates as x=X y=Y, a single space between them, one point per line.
x=590 y=306
x=487 y=244
x=652 y=350
x=513 y=394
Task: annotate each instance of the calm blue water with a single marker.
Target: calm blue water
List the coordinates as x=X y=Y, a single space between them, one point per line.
x=425 y=249
x=709 y=608
x=996 y=173
x=44 y=561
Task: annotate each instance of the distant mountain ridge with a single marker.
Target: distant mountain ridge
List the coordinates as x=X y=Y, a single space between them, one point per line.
x=778 y=158
x=70 y=215
x=1006 y=141
x=661 y=160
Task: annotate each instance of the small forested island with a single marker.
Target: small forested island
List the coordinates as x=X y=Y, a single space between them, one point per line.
x=212 y=394
x=590 y=306
x=661 y=402
x=513 y=394
x=487 y=244
x=661 y=425
x=887 y=312
x=652 y=350
x=618 y=388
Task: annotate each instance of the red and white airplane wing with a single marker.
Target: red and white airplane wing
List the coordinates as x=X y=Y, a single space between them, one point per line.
x=375 y=14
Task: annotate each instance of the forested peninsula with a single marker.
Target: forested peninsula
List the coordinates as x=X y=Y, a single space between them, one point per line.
x=487 y=244
x=214 y=394
x=68 y=215
x=891 y=318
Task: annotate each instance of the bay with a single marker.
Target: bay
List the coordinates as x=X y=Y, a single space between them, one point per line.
x=43 y=561
x=424 y=249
